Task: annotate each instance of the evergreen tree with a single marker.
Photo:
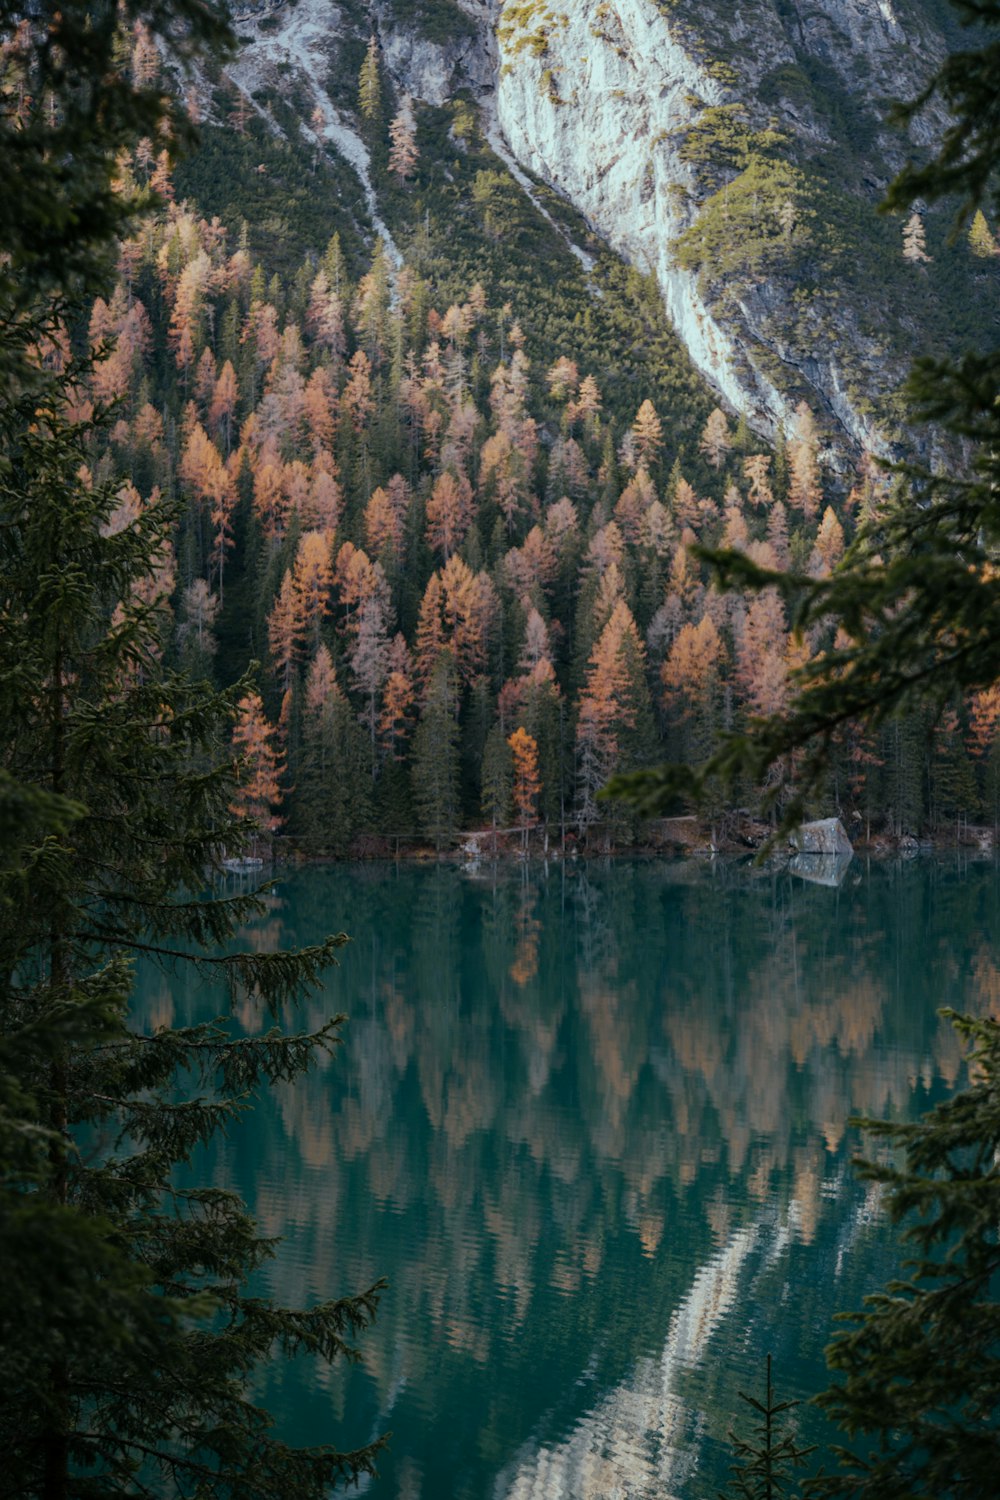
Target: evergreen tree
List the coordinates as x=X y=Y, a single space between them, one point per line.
x=128 y=1339
x=71 y=103
x=334 y=800
x=919 y=1371
x=767 y=1460
x=497 y=788
x=370 y=84
x=436 y=767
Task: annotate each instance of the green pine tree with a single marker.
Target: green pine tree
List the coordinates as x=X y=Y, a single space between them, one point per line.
x=129 y=1342
x=496 y=790
x=436 y=766
x=767 y=1462
x=370 y=84
x=918 y=1374
x=334 y=792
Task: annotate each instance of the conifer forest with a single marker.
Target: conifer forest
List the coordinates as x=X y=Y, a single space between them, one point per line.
x=470 y=471
x=438 y=495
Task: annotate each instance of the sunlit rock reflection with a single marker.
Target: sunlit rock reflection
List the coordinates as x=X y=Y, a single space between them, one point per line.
x=639 y=1439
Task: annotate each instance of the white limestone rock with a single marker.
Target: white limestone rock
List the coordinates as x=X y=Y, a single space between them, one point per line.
x=825 y=836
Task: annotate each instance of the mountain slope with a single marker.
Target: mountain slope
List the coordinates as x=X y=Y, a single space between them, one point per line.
x=737 y=154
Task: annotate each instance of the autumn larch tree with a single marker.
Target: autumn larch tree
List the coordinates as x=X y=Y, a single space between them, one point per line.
x=403 y=153
x=915 y=240
x=716 y=439
x=526 y=783
x=258 y=791
x=647 y=429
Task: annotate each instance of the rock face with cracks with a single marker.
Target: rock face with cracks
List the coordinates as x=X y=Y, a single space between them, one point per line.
x=602 y=100
x=598 y=99
x=824 y=836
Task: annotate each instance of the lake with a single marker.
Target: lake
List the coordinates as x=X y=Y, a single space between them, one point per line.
x=589 y=1121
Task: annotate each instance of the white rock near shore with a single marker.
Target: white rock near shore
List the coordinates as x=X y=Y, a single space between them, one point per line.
x=825 y=836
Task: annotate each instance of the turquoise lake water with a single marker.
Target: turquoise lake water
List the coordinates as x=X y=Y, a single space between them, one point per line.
x=590 y=1123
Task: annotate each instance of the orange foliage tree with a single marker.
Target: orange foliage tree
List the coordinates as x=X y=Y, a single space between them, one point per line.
x=527 y=785
x=259 y=766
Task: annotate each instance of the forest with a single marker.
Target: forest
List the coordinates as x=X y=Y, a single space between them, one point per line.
x=413 y=536
x=458 y=548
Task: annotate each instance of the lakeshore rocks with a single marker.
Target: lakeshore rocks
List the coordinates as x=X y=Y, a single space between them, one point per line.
x=825 y=836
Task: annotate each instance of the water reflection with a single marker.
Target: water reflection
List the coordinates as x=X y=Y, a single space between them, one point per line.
x=821 y=869
x=590 y=1122
x=640 y=1438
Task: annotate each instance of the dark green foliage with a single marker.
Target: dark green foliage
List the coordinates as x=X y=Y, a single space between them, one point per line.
x=919 y=1372
x=721 y=139
x=334 y=791
x=294 y=205
x=438 y=20
x=767 y=1461
x=128 y=1342
x=497 y=778
x=436 y=767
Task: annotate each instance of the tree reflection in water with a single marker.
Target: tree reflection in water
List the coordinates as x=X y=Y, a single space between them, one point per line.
x=590 y=1122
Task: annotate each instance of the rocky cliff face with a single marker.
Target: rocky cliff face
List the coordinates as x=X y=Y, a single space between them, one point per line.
x=435 y=68
x=600 y=100
x=736 y=150
x=597 y=111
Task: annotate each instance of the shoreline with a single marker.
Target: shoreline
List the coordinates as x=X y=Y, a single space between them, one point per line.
x=696 y=839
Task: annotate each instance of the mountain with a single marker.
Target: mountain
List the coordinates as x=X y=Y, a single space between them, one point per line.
x=456 y=334
x=737 y=152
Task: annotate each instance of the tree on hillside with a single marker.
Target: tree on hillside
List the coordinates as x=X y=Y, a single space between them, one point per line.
x=435 y=754
x=334 y=792
x=370 y=83
x=615 y=715
x=403 y=153
x=716 y=439
x=981 y=241
x=917 y=596
x=496 y=781
x=258 y=784
x=647 y=429
x=915 y=240
x=526 y=785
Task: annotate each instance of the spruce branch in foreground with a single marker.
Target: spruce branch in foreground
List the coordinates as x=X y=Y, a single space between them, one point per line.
x=917 y=1379
x=767 y=1460
x=128 y=1345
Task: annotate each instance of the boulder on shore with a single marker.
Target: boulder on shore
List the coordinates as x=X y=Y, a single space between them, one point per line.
x=825 y=836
